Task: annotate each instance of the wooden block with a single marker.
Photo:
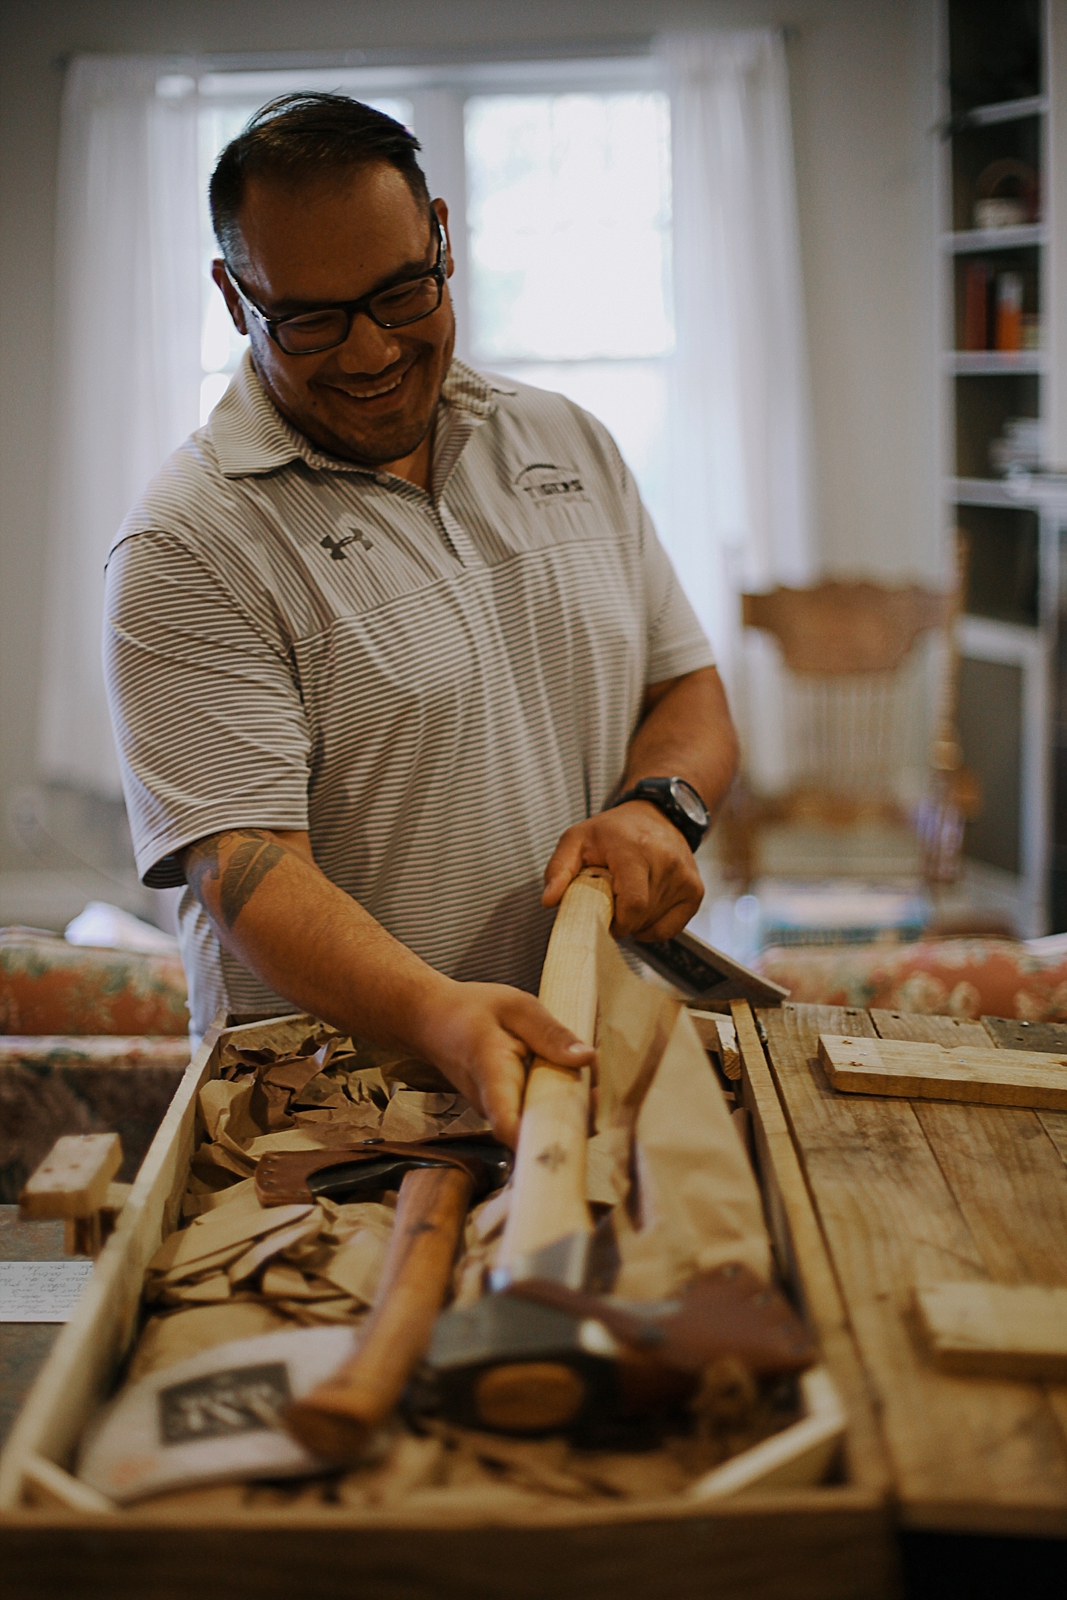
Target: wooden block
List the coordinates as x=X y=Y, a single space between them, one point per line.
x=73 y=1179
x=997 y=1330
x=934 y=1072
x=718 y=1034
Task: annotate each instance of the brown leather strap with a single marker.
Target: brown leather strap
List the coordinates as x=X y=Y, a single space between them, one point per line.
x=282 y=1176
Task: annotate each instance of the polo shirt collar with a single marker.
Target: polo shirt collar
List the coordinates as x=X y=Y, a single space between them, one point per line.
x=251 y=437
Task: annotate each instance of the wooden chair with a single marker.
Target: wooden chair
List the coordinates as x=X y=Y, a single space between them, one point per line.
x=849 y=658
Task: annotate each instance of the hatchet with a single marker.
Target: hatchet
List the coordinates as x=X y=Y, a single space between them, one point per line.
x=437 y=1180
x=548 y=1228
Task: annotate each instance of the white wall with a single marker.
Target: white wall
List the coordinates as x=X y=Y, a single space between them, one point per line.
x=862 y=98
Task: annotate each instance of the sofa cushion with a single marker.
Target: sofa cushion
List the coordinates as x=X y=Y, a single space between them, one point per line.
x=948 y=977
x=52 y=987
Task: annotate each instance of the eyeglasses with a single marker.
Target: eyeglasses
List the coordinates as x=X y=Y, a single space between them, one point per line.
x=311 y=331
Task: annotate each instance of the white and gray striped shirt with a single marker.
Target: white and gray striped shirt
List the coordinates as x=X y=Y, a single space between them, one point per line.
x=433 y=685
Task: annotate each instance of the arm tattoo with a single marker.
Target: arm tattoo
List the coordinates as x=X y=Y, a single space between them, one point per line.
x=253 y=856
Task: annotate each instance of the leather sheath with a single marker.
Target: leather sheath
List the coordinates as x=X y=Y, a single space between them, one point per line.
x=282 y=1176
x=726 y=1312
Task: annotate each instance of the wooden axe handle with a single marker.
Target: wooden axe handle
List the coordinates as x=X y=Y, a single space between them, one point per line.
x=548 y=1200
x=336 y=1418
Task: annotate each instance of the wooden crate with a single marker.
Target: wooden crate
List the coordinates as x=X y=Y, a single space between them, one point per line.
x=913 y=1192
x=816 y=1543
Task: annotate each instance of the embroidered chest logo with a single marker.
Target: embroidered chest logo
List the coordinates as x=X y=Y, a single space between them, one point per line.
x=336 y=546
x=547 y=484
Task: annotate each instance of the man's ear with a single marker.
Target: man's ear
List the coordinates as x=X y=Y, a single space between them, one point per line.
x=229 y=294
x=441 y=209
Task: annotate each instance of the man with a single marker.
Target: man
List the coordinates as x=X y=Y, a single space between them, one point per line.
x=385 y=637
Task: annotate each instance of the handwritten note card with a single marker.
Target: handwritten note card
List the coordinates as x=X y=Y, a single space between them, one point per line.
x=41 y=1291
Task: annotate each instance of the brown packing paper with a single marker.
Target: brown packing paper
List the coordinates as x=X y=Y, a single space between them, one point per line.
x=211 y=1162
x=413 y=1115
x=342 y=1221
x=271 y=1039
x=275 y=1244
x=290 y=1139
x=218 y=1230
x=212 y=1199
x=224 y=1107
x=469 y=1120
x=635 y=1022
x=283 y=1281
x=176 y=1335
x=699 y=1203
x=204 y=1291
x=356 y=1267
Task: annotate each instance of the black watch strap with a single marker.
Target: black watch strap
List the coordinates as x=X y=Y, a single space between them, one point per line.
x=679 y=802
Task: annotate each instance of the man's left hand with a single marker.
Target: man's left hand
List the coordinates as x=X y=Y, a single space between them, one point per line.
x=657 y=885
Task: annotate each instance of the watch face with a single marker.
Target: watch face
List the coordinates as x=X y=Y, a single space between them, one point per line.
x=684 y=795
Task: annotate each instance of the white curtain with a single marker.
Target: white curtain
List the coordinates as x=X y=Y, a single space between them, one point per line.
x=126 y=363
x=740 y=404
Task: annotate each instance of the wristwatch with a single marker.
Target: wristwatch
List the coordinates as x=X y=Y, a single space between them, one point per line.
x=679 y=803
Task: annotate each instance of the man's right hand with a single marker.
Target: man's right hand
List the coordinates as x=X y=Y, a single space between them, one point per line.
x=309 y=941
x=481 y=1037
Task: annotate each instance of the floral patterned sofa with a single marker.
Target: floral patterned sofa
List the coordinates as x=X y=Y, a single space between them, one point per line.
x=947 y=977
x=91 y=1041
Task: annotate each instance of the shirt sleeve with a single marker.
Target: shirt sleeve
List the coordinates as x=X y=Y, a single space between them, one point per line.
x=677 y=643
x=205 y=706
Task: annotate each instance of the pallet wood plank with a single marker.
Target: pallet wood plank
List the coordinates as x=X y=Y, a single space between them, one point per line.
x=991 y=1462
x=1008 y=1033
x=1035 y=1036
x=920 y=1071
x=1004 y=1171
x=1019 y=1223
x=996 y=1329
x=802 y=1254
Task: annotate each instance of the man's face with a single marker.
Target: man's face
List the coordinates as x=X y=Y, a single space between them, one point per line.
x=372 y=399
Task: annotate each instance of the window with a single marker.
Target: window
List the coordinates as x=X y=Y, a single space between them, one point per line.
x=558 y=180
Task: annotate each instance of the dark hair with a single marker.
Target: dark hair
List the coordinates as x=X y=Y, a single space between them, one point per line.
x=304 y=136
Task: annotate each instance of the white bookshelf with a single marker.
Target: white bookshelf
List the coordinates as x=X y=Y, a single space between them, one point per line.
x=1009 y=635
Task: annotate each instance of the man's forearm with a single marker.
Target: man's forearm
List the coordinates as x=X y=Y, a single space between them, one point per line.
x=301 y=934
x=687 y=732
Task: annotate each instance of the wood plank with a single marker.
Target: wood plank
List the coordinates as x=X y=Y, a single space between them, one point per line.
x=716 y=1033
x=1003 y=1165
x=1006 y=1175
x=803 y=1259
x=1035 y=1036
x=936 y=1072
x=1008 y=1033
x=995 y=1329
x=990 y=1461
x=73 y=1178
x=759 y=1547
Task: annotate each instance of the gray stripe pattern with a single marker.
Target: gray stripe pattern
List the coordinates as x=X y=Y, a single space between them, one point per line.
x=434 y=685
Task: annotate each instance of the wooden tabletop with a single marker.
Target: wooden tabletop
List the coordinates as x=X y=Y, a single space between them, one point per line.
x=912 y=1192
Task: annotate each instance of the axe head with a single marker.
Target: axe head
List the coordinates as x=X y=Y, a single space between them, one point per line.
x=512 y=1366
x=543 y=1358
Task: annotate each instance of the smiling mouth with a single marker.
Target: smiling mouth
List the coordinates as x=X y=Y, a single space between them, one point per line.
x=375 y=394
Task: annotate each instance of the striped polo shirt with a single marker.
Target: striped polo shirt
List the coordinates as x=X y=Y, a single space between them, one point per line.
x=434 y=685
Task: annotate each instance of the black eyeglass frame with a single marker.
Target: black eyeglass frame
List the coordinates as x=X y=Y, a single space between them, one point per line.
x=351 y=308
